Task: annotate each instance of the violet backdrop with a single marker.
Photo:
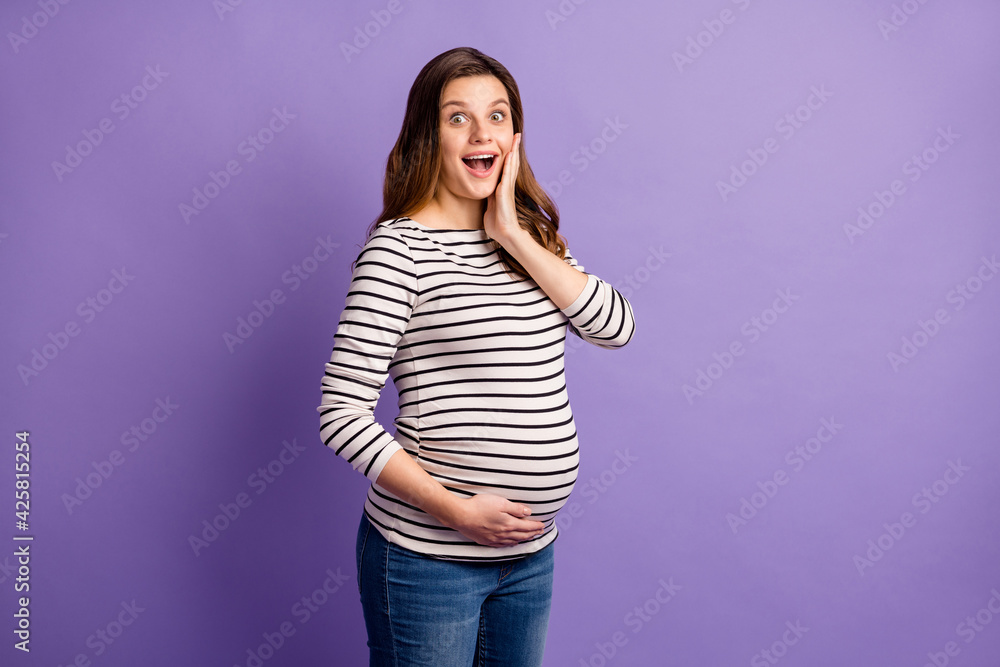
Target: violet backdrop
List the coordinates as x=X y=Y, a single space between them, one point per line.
x=797 y=452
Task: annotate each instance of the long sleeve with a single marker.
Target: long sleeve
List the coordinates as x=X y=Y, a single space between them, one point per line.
x=477 y=357
x=600 y=315
x=379 y=303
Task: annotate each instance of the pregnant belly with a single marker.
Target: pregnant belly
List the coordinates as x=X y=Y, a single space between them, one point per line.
x=540 y=476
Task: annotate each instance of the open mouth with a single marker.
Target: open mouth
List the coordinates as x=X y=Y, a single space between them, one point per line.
x=480 y=165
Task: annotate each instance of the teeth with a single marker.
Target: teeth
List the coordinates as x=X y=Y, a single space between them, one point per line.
x=484 y=155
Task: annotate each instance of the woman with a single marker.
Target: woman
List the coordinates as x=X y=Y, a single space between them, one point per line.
x=463 y=292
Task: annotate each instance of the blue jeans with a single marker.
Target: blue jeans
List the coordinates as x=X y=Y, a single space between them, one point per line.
x=421 y=610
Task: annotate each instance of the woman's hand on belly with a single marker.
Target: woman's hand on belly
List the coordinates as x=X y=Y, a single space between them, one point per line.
x=494 y=521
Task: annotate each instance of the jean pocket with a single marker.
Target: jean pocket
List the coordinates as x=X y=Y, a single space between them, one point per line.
x=363 y=530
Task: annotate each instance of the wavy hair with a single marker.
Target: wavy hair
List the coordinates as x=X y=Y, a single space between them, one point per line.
x=414 y=164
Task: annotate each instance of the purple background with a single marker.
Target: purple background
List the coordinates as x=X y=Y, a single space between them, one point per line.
x=652 y=191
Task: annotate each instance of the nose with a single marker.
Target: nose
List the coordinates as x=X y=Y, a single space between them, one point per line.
x=481 y=134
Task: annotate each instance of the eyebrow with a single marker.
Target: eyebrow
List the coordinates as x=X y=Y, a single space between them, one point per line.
x=492 y=104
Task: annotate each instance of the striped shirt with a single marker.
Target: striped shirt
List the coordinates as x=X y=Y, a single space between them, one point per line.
x=477 y=360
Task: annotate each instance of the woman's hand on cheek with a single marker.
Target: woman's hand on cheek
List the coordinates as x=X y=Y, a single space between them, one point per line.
x=500 y=219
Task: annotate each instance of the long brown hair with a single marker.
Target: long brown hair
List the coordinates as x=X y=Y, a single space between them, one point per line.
x=411 y=171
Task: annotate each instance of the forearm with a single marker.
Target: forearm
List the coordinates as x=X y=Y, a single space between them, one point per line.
x=561 y=282
x=405 y=479
x=602 y=317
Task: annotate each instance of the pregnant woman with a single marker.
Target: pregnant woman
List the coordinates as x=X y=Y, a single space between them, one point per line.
x=463 y=293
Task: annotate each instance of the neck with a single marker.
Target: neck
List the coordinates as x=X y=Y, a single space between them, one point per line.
x=447 y=211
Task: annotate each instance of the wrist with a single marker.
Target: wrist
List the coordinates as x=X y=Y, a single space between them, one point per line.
x=450 y=511
x=518 y=242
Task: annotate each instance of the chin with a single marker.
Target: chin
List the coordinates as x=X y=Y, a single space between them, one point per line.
x=483 y=191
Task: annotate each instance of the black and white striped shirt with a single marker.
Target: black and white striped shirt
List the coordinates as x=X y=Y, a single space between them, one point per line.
x=477 y=360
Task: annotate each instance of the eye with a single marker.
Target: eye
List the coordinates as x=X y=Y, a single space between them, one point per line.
x=498 y=113
x=458 y=115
